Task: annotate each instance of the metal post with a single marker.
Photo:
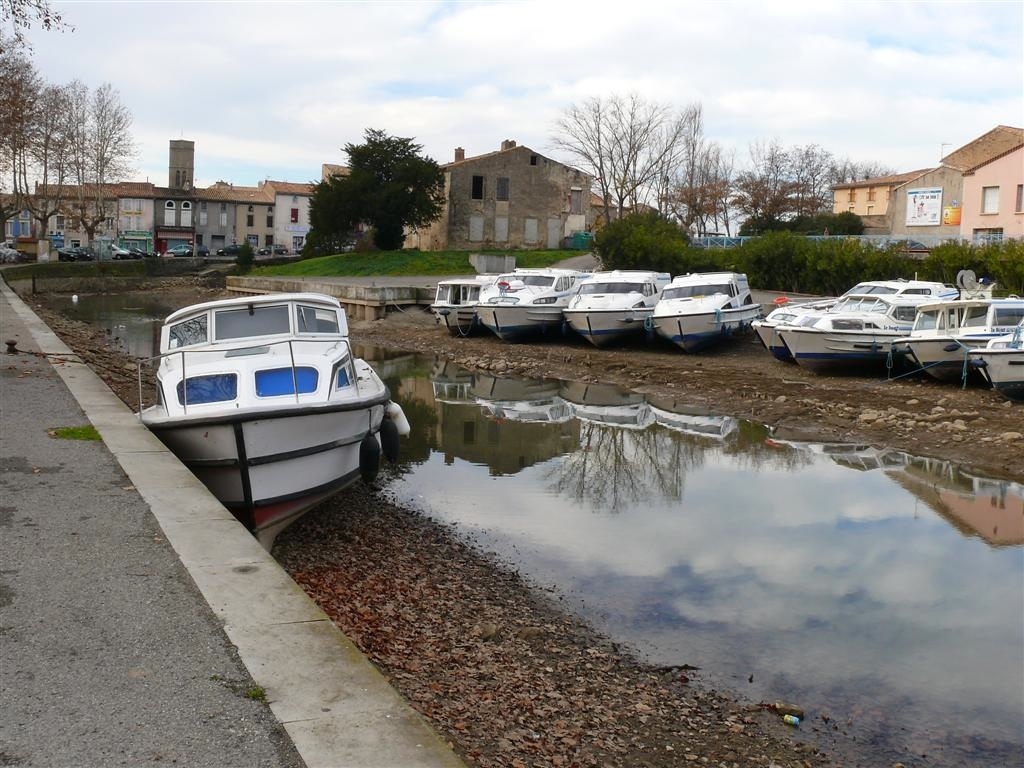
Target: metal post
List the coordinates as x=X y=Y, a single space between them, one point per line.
x=295 y=378
x=184 y=384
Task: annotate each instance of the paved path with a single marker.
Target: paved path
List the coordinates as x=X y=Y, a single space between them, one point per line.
x=135 y=612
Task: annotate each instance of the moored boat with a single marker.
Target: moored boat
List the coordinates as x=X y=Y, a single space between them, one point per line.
x=455 y=302
x=788 y=312
x=610 y=305
x=527 y=302
x=857 y=333
x=263 y=400
x=699 y=310
x=944 y=333
x=1001 y=362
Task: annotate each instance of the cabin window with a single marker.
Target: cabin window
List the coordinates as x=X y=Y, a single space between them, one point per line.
x=250 y=321
x=1008 y=316
x=280 y=381
x=905 y=314
x=927 y=321
x=215 y=388
x=187 y=333
x=444 y=294
x=341 y=380
x=315 y=320
x=976 y=317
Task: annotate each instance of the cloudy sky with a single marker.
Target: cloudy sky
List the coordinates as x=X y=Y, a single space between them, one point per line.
x=274 y=89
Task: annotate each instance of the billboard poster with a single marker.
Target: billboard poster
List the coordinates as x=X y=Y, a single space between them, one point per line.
x=951 y=214
x=924 y=207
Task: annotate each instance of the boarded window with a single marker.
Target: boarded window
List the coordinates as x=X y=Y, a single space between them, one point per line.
x=501 y=229
x=576 y=201
x=1020 y=198
x=501 y=191
x=476 y=228
x=530 y=231
x=478 y=188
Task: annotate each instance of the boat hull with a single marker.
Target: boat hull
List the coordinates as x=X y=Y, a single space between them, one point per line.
x=942 y=358
x=460 y=320
x=694 y=332
x=268 y=468
x=769 y=337
x=515 y=323
x=1003 y=369
x=821 y=350
x=601 y=327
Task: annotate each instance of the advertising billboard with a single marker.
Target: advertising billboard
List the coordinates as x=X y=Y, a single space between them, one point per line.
x=924 y=207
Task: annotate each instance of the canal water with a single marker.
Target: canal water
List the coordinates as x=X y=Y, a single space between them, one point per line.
x=880 y=590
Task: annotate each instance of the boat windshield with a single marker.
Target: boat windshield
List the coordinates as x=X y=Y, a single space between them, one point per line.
x=610 y=288
x=1009 y=316
x=188 y=332
x=250 y=321
x=693 y=291
x=315 y=319
x=869 y=288
x=927 y=321
x=540 y=281
x=444 y=294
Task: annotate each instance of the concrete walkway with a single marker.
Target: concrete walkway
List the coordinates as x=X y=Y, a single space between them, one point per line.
x=137 y=616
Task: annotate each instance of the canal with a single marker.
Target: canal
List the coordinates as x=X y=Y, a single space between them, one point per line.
x=884 y=589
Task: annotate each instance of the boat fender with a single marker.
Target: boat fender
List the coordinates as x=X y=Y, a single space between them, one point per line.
x=395 y=413
x=389 y=439
x=369 y=458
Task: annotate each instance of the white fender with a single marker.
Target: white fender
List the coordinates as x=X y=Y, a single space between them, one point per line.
x=397 y=415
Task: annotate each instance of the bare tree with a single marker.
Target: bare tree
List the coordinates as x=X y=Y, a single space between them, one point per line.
x=101 y=151
x=22 y=14
x=19 y=89
x=625 y=143
x=811 y=171
x=845 y=171
x=766 y=189
x=42 y=173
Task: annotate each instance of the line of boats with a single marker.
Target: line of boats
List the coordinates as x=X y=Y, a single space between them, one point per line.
x=693 y=311
x=949 y=332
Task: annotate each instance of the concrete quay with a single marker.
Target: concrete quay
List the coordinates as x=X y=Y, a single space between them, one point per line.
x=139 y=622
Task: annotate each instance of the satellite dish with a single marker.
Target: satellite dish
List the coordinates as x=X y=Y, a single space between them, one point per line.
x=966 y=280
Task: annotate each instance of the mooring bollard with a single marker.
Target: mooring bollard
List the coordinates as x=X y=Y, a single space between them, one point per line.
x=12 y=346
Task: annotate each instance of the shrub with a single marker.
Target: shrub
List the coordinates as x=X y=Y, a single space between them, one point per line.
x=245 y=258
x=642 y=241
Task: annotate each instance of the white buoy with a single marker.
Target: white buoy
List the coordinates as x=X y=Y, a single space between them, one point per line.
x=74 y=298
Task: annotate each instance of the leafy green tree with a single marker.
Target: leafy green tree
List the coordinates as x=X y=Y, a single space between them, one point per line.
x=642 y=241
x=390 y=186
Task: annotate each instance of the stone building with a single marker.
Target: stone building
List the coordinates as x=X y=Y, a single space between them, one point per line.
x=514 y=198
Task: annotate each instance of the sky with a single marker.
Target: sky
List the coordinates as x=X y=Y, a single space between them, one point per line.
x=275 y=89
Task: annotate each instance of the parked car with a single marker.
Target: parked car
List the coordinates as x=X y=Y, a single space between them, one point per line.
x=74 y=253
x=138 y=253
x=273 y=250
x=202 y=251
x=122 y=254
x=185 y=249
x=229 y=250
x=9 y=255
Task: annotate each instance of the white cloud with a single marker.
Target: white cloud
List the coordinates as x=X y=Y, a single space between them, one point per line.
x=292 y=83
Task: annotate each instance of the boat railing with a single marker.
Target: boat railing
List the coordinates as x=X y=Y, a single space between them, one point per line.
x=240 y=351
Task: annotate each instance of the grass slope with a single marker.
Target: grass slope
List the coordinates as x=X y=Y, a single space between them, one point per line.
x=401 y=263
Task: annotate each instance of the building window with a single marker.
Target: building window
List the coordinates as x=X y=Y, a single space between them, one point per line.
x=478 y=188
x=248 y=220
x=169 y=213
x=270 y=220
x=250 y=209
x=1020 y=198
x=533 y=159
x=202 y=206
x=990 y=199
x=501 y=190
x=993 y=235
x=501 y=229
x=223 y=206
x=871 y=194
x=576 y=201
x=223 y=218
x=58 y=222
x=295 y=215
x=871 y=209
x=186 y=214
x=202 y=216
x=853 y=196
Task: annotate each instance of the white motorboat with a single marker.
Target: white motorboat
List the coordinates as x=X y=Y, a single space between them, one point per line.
x=614 y=304
x=698 y=310
x=787 y=312
x=856 y=333
x=527 y=301
x=455 y=302
x=1001 y=362
x=263 y=400
x=944 y=333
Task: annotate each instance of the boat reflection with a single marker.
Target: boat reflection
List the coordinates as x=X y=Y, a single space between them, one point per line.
x=607 y=404
x=682 y=417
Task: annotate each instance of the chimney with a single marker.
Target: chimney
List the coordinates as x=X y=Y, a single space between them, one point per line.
x=460 y=154
x=507 y=144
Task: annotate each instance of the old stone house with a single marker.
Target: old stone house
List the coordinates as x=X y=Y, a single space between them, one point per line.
x=513 y=198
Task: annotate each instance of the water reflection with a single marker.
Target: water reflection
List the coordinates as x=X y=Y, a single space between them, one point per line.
x=880 y=588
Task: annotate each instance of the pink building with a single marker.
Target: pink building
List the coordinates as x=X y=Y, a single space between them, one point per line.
x=993 y=198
